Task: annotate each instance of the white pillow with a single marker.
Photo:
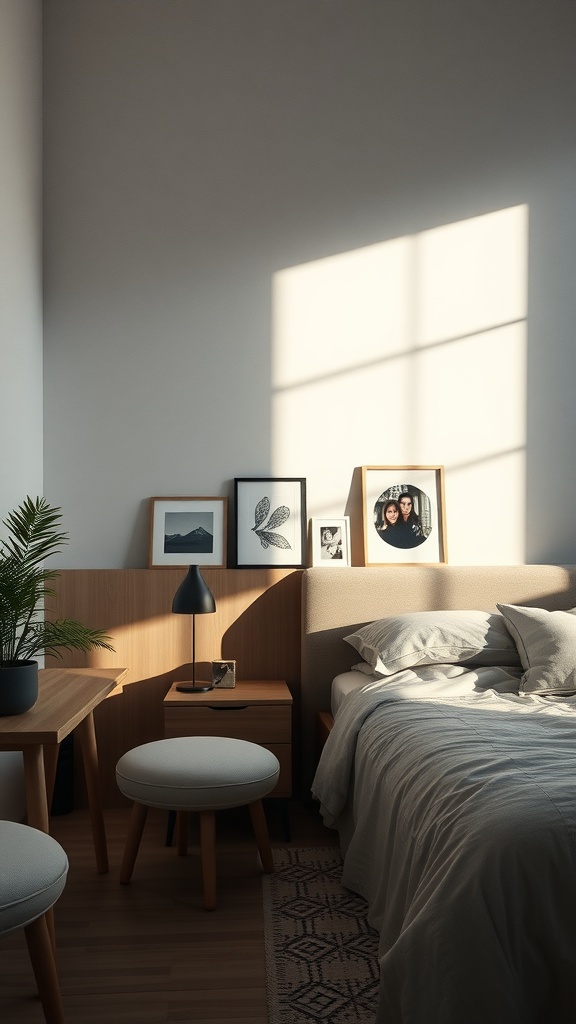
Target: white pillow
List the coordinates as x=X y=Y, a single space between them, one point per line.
x=432 y=638
x=546 y=643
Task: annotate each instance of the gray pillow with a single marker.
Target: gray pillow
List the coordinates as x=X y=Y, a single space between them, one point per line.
x=435 y=637
x=546 y=643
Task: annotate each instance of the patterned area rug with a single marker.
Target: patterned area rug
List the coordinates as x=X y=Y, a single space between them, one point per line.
x=321 y=954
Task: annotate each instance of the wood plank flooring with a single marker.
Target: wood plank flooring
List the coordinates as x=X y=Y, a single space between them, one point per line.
x=148 y=953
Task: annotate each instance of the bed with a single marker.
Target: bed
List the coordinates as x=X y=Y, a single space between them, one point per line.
x=450 y=775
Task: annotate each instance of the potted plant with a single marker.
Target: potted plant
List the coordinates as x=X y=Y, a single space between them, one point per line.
x=34 y=534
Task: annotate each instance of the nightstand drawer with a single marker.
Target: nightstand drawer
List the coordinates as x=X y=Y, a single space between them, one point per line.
x=263 y=723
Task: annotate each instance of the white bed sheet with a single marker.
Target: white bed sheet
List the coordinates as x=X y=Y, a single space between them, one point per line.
x=456 y=805
x=345 y=683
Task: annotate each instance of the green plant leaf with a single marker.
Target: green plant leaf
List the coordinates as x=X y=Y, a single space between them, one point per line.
x=34 y=534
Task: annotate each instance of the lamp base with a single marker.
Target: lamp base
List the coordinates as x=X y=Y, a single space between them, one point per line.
x=191 y=688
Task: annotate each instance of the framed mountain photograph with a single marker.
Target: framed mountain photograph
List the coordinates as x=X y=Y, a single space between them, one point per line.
x=188 y=531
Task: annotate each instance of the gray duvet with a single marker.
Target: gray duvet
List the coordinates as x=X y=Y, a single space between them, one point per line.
x=456 y=804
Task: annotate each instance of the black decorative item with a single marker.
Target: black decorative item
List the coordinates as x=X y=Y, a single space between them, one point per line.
x=18 y=686
x=193 y=597
x=270 y=519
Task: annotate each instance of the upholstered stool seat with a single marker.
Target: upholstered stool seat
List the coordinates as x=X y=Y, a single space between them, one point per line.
x=32 y=876
x=203 y=774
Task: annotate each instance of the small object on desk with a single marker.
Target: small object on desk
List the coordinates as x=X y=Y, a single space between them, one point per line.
x=224 y=674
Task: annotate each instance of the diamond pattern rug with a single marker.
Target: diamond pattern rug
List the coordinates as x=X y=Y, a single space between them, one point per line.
x=321 y=953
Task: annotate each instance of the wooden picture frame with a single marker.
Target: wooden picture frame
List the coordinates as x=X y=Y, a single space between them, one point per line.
x=330 y=541
x=270 y=522
x=390 y=537
x=188 y=531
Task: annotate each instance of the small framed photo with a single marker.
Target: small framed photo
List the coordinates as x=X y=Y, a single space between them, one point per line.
x=403 y=515
x=270 y=522
x=188 y=531
x=330 y=541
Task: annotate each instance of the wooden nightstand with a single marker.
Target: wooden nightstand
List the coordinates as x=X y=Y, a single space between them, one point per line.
x=324 y=725
x=258 y=710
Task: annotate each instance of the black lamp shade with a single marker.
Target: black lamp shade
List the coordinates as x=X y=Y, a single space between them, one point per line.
x=193 y=596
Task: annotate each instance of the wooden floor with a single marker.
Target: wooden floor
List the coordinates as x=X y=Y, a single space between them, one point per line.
x=148 y=953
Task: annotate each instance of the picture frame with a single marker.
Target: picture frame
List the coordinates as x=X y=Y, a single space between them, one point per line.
x=415 y=531
x=270 y=522
x=188 y=531
x=330 y=541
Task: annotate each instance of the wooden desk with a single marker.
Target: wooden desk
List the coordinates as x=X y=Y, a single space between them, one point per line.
x=66 y=701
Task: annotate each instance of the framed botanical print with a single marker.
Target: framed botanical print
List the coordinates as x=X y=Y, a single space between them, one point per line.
x=188 y=531
x=330 y=541
x=270 y=515
x=403 y=514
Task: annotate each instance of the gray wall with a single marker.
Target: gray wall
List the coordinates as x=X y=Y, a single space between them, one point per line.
x=293 y=238
x=20 y=252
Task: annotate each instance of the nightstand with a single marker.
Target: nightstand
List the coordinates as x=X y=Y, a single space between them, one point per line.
x=259 y=710
x=324 y=725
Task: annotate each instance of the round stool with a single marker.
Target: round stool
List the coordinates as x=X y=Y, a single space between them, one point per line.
x=197 y=773
x=33 y=875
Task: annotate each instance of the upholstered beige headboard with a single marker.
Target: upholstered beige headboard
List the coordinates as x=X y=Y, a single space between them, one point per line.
x=334 y=601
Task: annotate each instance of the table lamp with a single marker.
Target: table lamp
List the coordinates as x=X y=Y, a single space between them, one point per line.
x=193 y=597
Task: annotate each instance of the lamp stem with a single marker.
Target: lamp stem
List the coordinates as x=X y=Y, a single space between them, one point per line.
x=193 y=650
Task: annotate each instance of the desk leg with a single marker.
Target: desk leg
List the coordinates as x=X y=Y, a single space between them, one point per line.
x=87 y=736
x=37 y=807
x=35 y=780
x=51 y=751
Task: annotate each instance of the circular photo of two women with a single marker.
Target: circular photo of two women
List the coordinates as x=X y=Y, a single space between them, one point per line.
x=403 y=516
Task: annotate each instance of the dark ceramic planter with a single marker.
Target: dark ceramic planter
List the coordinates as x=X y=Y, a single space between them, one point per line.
x=18 y=686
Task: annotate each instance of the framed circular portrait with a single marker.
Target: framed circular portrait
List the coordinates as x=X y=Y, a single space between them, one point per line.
x=403 y=511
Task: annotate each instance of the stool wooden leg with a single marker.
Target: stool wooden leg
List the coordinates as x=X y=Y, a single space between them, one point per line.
x=261 y=833
x=182 y=828
x=208 y=853
x=170 y=826
x=44 y=967
x=135 y=830
x=49 y=915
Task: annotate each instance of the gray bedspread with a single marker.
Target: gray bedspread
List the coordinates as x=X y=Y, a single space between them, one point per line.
x=456 y=803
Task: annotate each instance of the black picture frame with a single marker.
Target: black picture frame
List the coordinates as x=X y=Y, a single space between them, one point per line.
x=270 y=522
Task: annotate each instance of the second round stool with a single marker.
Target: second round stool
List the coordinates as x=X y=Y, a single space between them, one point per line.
x=203 y=774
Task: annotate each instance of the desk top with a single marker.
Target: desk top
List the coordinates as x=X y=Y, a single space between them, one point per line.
x=65 y=697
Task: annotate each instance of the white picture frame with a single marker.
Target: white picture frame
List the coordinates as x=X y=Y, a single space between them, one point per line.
x=188 y=531
x=330 y=541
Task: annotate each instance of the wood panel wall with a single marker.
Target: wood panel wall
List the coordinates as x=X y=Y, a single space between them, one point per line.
x=257 y=622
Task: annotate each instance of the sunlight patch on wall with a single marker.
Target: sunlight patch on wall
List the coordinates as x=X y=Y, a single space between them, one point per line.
x=471 y=275
x=411 y=351
x=342 y=312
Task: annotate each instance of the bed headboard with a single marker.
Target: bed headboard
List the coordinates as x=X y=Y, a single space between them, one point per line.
x=335 y=601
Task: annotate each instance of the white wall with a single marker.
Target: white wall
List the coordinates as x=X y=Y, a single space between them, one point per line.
x=293 y=238
x=20 y=252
